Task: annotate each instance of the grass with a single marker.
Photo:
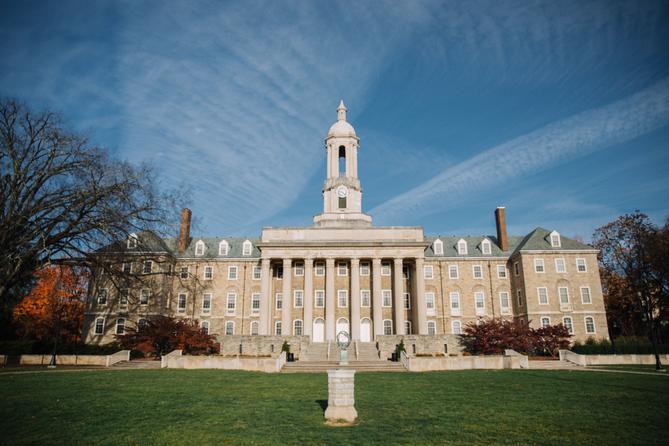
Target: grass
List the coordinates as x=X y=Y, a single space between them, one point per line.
x=631 y=367
x=230 y=407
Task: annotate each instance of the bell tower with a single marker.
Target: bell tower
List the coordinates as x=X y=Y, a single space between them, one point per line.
x=342 y=194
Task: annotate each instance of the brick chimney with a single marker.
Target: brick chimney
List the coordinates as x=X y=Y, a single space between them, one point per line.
x=184 y=231
x=500 y=221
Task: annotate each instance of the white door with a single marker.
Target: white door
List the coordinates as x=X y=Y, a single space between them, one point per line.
x=342 y=325
x=365 y=330
x=318 y=332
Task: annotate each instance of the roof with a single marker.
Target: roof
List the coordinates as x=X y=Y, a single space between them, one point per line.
x=211 y=244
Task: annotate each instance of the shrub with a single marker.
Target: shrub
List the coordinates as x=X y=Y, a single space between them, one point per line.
x=630 y=345
x=593 y=346
x=285 y=347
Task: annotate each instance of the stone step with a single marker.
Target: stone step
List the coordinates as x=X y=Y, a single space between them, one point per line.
x=324 y=366
x=137 y=364
x=552 y=365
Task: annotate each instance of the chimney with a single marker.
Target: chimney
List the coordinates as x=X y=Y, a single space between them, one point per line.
x=500 y=220
x=184 y=231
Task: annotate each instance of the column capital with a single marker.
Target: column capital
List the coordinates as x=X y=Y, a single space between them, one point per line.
x=355 y=260
x=398 y=260
x=330 y=261
x=287 y=261
x=309 y=260
x=376 y=260
x=265 y=261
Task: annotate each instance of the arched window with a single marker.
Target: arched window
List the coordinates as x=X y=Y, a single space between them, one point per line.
x=555 y=239
x=438 y=247
x=141 y=324
x=229 y=328
x=277 y=328
x=132 y=241
x=199 y=248
x=462 y=247
x=246 y=248
x=589 y=325
x=387 y=327
x=567 y=322
x=120 y=326
x=99 y=325
x=456 y=327
x=407 y=327
x=486 y=247
x=205 y=327
x=223 y=248
x=431 y=328
x=254 y=328
x=342 y=161
x=297 y=327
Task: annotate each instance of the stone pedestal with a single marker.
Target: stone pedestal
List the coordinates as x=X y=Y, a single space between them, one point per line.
x=341 y=400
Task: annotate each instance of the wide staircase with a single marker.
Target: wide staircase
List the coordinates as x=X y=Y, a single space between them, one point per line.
x=552 y=365
x=137 y=364
x=321 y=357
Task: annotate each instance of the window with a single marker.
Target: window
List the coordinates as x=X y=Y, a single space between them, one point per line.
x=320 y=269
x=568 y=324
x=406 y=272
x=431 y=328
x=478 y=272
x=277 y=328
x=386 y=298
x=387 y=327
x=147 y=266
x=589 y=325
x=364 y=268
x=479 y=301
x=298 y=298
x=246 y=248
x=545 y=322
x=278 y=271
x=342 y=201
x=585 y=295
x=123 y=297
x=555 y=239
x=342 y=269
x=120 y=326
x=542 y=292
x=132 y=241
x=255 y=303
x=564 y=295
x=142 y=323
x=205 y=327
x=206 y=303
x=229 y=328
x=99 y=325
x=485 y=247
x=501 y=271
x=452 y=271
x=232 y=273
x=199 y=248
x=299 y=269
x=454 y=297
x=319 y=298
x=223 y=248
x=297 y=327
x=257 y=272
x=144 y=296
x=428 y=272
x=232 y=303
x=102 y=297
x=183 y=273
x=539 y=266
x=504 y=302
x=407 y=327
x=126 y=268
x=560 y=266
x=254 y=328
x=342 y=298
x=438 y=247
x=580 y=266
x=365 y=299
x=208 y=272
x=430 y=304
x=456 y=327
x=385 y=268
x=462 y=247
x=181 y=305
x=406 y=297
x=519 y=297
x=278 y=297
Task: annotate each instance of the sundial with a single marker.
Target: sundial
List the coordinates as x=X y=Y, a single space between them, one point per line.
x=343 y=342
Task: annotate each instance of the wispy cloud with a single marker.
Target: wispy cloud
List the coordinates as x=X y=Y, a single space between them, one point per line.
x=539 y=150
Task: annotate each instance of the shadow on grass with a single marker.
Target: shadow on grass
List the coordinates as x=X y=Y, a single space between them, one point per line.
x=323 y=404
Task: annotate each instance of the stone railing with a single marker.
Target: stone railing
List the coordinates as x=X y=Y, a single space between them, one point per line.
x=77 y=360
x=433 y=363
x=586 y=360
x=176 y=360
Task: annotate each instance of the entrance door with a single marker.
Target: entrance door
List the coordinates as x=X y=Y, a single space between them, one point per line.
x=365 y=330
x=318 y=332
x=342 y=325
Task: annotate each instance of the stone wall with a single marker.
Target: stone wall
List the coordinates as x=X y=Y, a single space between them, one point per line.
x=175 y=360
x=269 y=346
x=419 y=344
x=586 y=360
x=426 y=364
x=77 y=360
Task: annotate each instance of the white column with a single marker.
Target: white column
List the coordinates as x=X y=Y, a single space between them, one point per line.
x=287 y=304
x=330 y=299
x=355 y=299
x=266 y=306
x=398 y=291
x=308 y=295
x=421 y=310
x=377 y=303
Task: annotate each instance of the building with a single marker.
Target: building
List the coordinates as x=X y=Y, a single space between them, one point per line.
x=344 y=273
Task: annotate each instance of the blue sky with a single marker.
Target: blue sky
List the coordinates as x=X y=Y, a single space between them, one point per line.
x=557 y=110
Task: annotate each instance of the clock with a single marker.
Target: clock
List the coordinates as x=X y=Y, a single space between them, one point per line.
x=342 y=191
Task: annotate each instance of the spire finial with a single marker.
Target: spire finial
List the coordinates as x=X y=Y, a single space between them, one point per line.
x=341 y=111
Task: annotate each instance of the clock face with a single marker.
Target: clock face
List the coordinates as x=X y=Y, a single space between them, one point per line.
x=342 y=191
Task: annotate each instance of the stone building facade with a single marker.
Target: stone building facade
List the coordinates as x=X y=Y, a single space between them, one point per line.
x=343 y=273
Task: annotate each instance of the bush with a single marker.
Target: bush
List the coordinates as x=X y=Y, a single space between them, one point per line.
x=630 y=345
x=136 y=354
x=593 y=346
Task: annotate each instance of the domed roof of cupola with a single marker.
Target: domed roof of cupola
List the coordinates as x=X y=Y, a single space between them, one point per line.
x=341 y=127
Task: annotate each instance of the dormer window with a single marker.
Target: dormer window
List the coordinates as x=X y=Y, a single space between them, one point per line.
x=462 y=247
x=199 y=248
x=246 y=248
x=438 y=247
x=132 y=241
x=486 y=247
x=223 y=248
x=555 y=239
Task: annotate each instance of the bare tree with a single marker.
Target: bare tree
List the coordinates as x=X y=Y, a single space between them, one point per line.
x=64 y=198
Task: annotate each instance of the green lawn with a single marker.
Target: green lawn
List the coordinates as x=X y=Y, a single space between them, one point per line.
x=225 y=407
x=631 y=368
